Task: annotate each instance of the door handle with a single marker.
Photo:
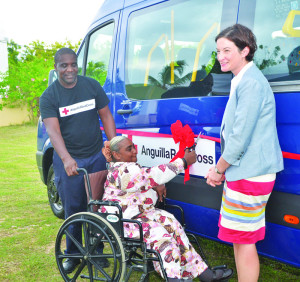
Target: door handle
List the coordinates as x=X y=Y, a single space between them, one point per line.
x=124 y=111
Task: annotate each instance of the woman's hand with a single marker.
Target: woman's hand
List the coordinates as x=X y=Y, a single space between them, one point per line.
x=213 y=178
x=190 y=156
x=161 y=190
x=106 y=151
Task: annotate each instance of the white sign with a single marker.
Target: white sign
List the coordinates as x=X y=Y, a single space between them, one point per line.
x=159 y=150
x=77 y=108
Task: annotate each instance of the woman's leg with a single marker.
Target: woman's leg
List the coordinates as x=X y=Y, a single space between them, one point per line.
x=162 y=232
x=247 y=262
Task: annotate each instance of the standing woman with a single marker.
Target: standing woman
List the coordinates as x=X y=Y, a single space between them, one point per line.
x=251 y=155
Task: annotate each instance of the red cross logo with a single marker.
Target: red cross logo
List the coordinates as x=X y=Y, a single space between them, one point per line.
x=65 y=111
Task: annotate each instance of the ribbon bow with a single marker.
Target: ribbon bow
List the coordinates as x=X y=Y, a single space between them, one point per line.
x=185 y=137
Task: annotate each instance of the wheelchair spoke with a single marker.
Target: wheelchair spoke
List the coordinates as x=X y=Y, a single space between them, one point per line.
x=85 y=232
x=100 y=269
x=94 y=245
x=80 y=268
x=107 y=256
x=91 y=273
x=74 y=240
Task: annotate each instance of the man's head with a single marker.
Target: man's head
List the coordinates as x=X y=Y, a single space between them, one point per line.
x=66 y=67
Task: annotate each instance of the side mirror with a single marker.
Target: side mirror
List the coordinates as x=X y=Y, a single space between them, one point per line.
x=52 y=77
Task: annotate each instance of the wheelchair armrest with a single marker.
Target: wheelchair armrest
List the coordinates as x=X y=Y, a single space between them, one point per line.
x=141 y=239
x=182 y=221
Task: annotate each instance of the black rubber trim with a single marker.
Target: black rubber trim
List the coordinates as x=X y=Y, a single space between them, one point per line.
x=281 y=204
x=197 y=192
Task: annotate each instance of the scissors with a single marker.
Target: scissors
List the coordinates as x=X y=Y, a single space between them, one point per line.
x=193 y=147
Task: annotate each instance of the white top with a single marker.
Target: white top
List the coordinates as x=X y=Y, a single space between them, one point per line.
x=236 y=80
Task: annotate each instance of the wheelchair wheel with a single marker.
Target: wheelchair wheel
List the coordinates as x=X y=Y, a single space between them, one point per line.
x=95 y=230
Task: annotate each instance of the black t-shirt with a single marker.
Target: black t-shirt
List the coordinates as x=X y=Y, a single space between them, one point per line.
x=77 y=111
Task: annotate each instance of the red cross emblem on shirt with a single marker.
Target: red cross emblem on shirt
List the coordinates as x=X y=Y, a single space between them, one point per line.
x=65 y=111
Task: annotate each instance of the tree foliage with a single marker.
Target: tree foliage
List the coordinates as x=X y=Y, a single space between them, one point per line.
x=97 y=71
x=269 y=58
x=27 y=75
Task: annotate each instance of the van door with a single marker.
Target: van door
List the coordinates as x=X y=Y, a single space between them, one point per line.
x=167 y=71
x=96 y=55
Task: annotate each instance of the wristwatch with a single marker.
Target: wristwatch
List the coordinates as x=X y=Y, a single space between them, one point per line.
x=217 y=171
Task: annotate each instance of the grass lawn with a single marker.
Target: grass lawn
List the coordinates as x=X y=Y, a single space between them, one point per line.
x=28 y=228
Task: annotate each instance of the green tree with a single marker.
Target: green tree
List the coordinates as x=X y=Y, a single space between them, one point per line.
x=97 y=71
x=27 y=75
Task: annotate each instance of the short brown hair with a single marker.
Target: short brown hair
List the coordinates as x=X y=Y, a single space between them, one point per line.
x=242 y=37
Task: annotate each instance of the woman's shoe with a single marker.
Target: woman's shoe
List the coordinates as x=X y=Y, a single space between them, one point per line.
x=210 y=275
x=179 y=280
x=222 y=274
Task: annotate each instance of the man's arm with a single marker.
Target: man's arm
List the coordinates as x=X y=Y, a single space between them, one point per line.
x=58 y=143
x=108 y=122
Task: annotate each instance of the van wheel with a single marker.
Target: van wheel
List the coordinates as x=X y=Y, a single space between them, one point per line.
x=54 y=199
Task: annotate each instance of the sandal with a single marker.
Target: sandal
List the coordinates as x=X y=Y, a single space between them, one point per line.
x=222 y=274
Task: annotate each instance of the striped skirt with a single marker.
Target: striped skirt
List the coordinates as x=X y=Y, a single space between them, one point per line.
x=242 y=215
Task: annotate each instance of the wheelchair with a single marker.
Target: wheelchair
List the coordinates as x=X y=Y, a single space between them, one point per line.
x=125 y=255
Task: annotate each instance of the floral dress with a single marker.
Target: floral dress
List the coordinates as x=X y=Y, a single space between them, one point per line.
x=131 y=185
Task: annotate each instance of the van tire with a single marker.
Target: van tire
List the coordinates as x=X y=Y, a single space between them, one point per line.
x=53 y=197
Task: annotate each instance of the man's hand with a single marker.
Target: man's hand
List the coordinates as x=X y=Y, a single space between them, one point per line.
x=161 y=191
x=70 y=166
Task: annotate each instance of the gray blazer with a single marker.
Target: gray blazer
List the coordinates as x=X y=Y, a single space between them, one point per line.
x=250 y=142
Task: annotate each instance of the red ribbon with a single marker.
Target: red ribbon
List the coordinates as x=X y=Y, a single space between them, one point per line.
x=185 y=137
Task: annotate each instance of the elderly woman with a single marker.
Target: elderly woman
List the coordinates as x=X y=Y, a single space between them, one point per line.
x=251 y=155
x=133 y=187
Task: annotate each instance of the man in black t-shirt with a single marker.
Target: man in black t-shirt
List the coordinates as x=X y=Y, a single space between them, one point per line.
x=70 y=108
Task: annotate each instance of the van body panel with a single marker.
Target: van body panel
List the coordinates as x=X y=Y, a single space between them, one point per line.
x=204 y=114
x=204 y=222
x=147 y=40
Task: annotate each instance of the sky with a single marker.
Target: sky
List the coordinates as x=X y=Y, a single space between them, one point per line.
x=25 y=21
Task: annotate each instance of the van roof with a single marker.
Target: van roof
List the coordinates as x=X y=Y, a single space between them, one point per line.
x=107 y=8
x=110 y=6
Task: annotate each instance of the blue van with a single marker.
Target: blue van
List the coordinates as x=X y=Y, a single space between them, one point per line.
x=156 y=60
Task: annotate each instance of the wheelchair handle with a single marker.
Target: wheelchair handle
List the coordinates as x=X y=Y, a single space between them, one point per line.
x=87 y=179
x=82 y=169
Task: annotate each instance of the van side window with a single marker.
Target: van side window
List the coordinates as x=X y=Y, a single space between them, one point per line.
x=99 y=53
x=80 y=57
x=277 y=28
x=170 y=51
